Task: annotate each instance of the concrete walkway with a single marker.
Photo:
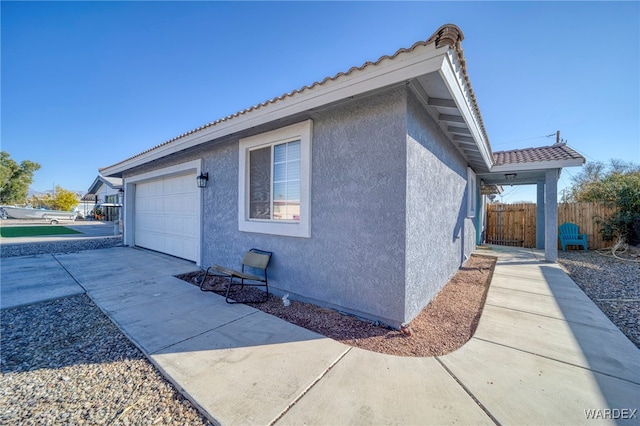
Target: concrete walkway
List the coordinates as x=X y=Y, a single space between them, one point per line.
x=543 y=352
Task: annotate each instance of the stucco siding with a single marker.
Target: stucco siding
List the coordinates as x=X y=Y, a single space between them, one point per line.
x=388 y=207
x=354 y=260
x=358 y=204
x=439 y=235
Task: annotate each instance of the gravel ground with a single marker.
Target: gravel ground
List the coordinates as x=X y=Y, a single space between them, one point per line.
x=446 y=324
x=612 y=284
x=64 y=362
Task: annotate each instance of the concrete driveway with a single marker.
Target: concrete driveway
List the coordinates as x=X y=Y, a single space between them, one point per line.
x=543 y=352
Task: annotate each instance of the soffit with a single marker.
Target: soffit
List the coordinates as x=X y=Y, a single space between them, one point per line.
x=528 y=177
x=463 y=131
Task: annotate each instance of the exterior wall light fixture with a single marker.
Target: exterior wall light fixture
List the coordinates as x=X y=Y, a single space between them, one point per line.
x=202 y=180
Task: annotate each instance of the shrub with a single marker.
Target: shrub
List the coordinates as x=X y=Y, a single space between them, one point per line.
x=622 y=190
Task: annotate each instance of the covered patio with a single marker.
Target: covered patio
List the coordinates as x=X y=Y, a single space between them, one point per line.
x=539 y=166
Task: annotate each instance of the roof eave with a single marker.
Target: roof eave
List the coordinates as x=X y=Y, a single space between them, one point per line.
x=99 y=180
x=439 y=59
x=422 y=60
x=537 y=165
x=461 y=94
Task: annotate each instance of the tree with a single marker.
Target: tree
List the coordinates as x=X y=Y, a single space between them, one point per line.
x=587 y=184
x=15 y=179
x=64 y=200
x=41 y=201
x=623 y=191
x=618 y=185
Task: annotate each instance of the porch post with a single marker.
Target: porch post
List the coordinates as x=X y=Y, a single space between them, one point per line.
x=540 y=208
x=128 y=224
x=551 y=216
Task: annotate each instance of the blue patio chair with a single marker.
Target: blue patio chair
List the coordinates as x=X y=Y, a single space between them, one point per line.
x=570 y=235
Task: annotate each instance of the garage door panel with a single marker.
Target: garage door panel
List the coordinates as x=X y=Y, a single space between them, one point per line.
x=181 y=226
x=174 y=207
x=149 y=189
x=166 y=216
x=184 y=205
x=151 y=222
x=178 y=187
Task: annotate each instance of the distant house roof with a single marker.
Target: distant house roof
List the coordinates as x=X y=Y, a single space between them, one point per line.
x=112 y=182
x=557 y=152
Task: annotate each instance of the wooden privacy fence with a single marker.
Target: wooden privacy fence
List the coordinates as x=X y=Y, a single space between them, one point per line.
x=515 y=224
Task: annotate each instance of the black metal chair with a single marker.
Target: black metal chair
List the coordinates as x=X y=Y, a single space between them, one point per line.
x=256 y=260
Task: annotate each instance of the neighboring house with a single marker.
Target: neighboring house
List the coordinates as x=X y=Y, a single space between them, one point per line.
x=365 y=186
x=104 y=195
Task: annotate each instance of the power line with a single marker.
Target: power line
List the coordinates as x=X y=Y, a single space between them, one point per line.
x=524 y=140
x=585 y=155
x=508 y=194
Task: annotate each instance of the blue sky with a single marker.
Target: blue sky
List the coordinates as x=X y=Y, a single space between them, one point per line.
x=88 y=84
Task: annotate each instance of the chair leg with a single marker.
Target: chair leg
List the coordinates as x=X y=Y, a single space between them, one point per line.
x=226 y=296
x=206 y=274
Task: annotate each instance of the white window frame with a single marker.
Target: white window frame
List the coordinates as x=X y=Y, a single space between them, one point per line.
x=472 y=193
x=299 y=228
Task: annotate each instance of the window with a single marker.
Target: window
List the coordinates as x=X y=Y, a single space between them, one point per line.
x=471 y=193
x=274 y=182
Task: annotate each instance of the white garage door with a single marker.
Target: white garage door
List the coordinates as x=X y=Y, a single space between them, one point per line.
x=166 y=216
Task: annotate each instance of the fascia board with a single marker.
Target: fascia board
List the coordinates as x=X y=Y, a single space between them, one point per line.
x=422 y=60
x=98 y=182
x=95 y=185
x=541 y=165
x=455 y=87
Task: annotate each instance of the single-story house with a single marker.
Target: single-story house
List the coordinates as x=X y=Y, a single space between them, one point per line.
x=104 y=195
x=366 y=185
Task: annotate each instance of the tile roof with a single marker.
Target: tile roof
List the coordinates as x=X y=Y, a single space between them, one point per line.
x=447 y=35
x=556 y=152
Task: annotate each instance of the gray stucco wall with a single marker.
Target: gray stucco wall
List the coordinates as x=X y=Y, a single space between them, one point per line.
x=439 y=236
x=354 y=259
x=388 y=208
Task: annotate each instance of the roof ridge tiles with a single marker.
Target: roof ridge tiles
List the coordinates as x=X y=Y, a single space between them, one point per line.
x=536 y=154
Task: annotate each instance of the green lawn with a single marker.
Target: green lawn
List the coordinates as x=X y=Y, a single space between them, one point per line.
x=34 y=231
